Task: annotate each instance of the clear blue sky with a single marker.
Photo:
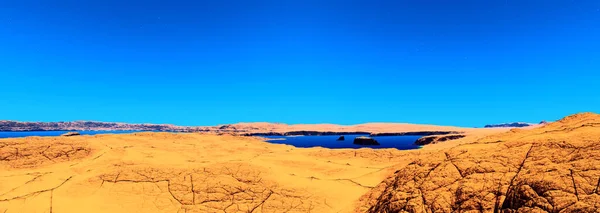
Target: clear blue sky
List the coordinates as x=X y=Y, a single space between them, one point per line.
x=465 y=63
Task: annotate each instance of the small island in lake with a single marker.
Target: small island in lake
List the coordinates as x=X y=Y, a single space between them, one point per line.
x=365 y=141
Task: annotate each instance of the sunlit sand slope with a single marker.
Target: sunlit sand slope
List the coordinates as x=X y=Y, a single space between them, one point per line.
x=163 y=172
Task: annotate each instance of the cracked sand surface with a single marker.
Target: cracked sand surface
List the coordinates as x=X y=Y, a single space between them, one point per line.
x=164 y=172
x=553 y=168
x=36 y=151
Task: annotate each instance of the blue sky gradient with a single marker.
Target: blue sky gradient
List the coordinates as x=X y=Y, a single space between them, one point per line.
x=463 y=63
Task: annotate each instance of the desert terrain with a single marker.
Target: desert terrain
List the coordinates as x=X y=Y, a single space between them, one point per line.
x=546 y=168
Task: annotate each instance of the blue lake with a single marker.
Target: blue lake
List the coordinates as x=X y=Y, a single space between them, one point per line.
x=330 y=141
x=55 y=133
x=327 y=141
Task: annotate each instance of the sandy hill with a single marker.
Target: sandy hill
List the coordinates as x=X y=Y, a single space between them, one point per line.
x=553 y=168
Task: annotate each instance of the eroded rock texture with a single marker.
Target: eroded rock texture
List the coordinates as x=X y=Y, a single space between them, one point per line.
x=35 y=151
x=554 y=168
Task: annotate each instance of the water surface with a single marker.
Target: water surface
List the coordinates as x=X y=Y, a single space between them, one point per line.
x=330 y=141
x=327 y=141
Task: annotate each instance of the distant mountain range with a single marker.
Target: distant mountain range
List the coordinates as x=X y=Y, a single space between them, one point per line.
x=513 y=124
x=91 y=125
x=258 y=128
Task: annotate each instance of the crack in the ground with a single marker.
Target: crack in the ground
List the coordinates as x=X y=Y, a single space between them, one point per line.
x=149 y=181
x=355 y=183
x=193 y=191
x=24 y=154
x=29 y=181
x=574 y=184
x=25 y=196
x=262 y=202
x=51 y=200
x=453 y=164
x=99 y=156
x=597 y=186
x=339 y=179
x=373 y=172
x=507 y=202
x=224 y=188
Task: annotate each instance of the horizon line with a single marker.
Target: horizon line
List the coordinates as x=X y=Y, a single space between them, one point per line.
x=255 y=122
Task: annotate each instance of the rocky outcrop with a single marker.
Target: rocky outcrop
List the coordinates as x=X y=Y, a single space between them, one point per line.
x=341 y=138
x=436 y=139
x=553 y=168
x=514 y=124
x=365 y=141
x=68 y=134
